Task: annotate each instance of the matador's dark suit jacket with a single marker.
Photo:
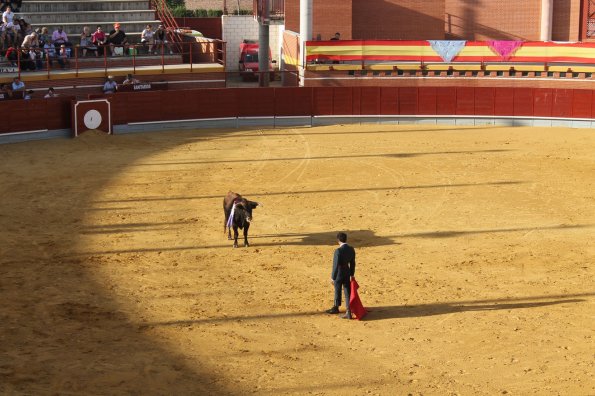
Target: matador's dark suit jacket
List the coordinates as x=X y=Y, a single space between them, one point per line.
x=343 y=264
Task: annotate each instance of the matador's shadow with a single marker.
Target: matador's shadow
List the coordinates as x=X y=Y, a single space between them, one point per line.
x=416 y=311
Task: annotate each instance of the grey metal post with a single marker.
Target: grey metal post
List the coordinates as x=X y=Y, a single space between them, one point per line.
x=263 y=46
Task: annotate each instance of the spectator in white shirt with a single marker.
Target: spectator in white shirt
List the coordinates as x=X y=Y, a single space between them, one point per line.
x=8 y=17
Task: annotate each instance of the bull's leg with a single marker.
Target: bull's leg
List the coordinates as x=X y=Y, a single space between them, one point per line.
x=235 y=236
x=246 y=244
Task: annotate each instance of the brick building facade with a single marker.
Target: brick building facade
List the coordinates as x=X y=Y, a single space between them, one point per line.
x=437 y=19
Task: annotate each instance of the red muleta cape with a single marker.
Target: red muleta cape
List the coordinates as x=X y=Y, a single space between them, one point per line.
x=355 y=304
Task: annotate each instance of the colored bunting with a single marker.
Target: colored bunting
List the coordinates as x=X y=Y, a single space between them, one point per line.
x=504 y=48
x=447 y=49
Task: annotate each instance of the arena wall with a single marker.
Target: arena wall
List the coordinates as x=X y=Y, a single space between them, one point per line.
x=242 y=107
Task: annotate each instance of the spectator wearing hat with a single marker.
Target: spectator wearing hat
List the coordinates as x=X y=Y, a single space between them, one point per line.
x=161 y=39
x=110 y=85
x=117 y=38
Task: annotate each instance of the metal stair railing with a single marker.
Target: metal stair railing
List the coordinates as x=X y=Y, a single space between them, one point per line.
x=166 y=17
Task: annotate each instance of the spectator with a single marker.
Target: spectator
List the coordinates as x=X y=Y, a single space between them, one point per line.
x=117 y=38
x=11 y=55
x=161 y=38
x=16 y=5
x=50 y=93
x=4 y=4
x=17 y=34
x=5 y=91
x=37 y=57
x=110 y=85
x=59 y=38
x=44 y=36
x=87 y=42
x=3 y=36
x=130 y=80
x=50 y=52
x=99 y=40
x=31 y=40
x=146 y=37
x=27 y=59
x=17 y=85
x=8 y=17
x=337 y=36
x=63 y=57
x=28 y=95
x=26 y=28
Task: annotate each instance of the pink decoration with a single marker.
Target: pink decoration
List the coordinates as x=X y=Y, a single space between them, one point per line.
x=504 y=48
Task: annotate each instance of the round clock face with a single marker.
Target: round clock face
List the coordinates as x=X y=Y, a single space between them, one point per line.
x=92 y=119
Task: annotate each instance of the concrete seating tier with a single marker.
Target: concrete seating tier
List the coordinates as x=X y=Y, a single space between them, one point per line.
x=73 y=30
x=133 y=16
x=56 y=18
x=75 y=6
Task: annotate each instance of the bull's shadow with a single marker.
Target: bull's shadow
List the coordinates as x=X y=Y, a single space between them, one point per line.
x=357 y=238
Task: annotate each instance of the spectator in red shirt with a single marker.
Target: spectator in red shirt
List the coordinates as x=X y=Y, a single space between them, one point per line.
x=99 y=40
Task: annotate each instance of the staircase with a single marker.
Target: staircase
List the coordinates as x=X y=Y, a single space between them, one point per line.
x=133 y=16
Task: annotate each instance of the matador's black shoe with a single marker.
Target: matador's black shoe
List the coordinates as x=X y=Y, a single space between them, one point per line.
x=346 y=316
x=333 y=310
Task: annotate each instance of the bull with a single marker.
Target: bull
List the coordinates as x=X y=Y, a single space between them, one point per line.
x=238 y=214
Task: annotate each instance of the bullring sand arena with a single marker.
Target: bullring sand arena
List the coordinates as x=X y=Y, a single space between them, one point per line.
x=474 y=257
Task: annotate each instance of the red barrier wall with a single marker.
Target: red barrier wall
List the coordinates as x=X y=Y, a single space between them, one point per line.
x=129 y=107
x=35 y=114
x=431 y=101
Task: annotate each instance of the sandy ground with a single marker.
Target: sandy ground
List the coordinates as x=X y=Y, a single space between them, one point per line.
x=475 y=257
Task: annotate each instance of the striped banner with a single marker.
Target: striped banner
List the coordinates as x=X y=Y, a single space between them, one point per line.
x=421 y=51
